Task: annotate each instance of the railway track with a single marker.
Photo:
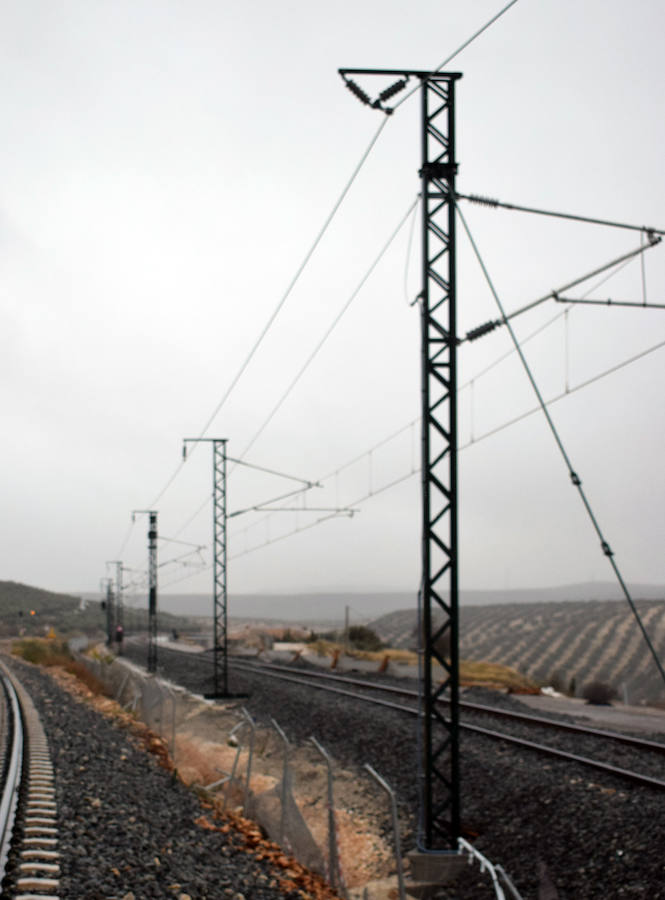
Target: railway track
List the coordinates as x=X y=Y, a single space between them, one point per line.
x=29 y=866
x=650 y=752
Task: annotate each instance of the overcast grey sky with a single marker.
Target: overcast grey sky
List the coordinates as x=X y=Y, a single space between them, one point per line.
x=165 y=168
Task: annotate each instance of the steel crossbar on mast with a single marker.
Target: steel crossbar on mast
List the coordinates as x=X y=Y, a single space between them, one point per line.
x=439 y=613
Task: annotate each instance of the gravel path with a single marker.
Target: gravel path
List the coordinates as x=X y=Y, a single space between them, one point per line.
x=594 y=836
x=126 y=827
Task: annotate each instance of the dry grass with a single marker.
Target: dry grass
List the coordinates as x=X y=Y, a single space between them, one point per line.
x=43 y=651
x=487 y=674
x=51 y=652
x=332 y=648
x=497 y=676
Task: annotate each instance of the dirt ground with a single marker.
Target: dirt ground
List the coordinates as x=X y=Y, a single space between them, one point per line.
x=617 y=717
x=206 y=752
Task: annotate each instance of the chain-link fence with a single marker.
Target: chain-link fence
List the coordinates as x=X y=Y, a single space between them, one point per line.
x=218 y=749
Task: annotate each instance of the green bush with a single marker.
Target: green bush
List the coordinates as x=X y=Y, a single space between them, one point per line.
x=363 y=638
x=43 y=652
x=598 y=693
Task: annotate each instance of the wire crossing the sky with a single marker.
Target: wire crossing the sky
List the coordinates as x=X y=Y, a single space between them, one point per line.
x=415 y=469
x=310 y=252
x=469 y=384
x=574 y=477
x=498 y=204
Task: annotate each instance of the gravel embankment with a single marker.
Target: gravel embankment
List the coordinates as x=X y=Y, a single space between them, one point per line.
x=127 y=829
x=594 y=836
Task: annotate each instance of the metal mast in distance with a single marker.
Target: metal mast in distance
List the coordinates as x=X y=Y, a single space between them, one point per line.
x=152 y=587
x=219 y=579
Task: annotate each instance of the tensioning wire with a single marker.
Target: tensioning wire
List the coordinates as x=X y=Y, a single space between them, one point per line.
x=574 y=477
x=414 y=471
x=356 y=171
x=335 y=322
x=463 y=46
x=462 y=387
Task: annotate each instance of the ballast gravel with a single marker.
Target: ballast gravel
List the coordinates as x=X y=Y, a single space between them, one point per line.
x=560 y=830
x=126 y=826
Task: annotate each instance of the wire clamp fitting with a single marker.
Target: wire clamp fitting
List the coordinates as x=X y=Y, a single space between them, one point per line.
x=483 y=201
x=439 y=170
x=575 y=478
x=481 y=330
x=607 y=550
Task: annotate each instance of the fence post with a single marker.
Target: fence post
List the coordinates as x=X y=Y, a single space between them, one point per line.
x=393 y=806
x=333 y=859
x=174 y=701
x=248 y=773
x=285 y=773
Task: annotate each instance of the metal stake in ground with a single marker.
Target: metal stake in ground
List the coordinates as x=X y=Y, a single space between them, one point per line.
x=334 y=874
x=219 y=579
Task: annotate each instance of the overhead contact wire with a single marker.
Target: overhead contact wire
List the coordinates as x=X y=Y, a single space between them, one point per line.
x=574 y=477
x=566 y=393
x=266 y=328
x=589 y=220
x=414 y=471
x=335 y=322
x=461 y=47
x=488 y=327
x=315 y=244
x=466 y=384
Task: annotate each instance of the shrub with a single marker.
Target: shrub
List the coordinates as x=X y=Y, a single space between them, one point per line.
x=88 y=678
x=363 y=638
x=323 y=636
x=289 y=637
x=598 y=693
x=556 y=681
x=441 y=644
x=56 y=653
x=43 y=652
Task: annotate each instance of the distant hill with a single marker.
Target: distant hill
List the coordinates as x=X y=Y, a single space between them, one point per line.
x=315 y=609
x=328 y=607
x=33 y=611
x=558 y=641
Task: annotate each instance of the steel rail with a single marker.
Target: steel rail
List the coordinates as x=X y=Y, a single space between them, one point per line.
x=528 y=718
x=13 y=771
x=636 y=777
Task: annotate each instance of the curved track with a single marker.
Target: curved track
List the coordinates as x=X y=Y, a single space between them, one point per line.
x=370 y=692
x=27 y=809
x=12 y=760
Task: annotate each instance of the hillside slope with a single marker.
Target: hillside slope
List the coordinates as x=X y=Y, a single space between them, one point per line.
x=68 y=615
x=567 y=642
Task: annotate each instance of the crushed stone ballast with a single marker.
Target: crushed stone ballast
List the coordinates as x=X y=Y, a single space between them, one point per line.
x=33 y=865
